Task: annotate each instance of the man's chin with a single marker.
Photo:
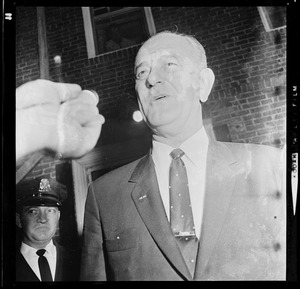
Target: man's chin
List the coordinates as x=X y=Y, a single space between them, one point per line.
x=42 y=234
x=42 y=238
x=162 y=119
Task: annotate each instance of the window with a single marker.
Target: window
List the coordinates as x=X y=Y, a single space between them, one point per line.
x=112 y=28
x=222 y=133
x=273 y=17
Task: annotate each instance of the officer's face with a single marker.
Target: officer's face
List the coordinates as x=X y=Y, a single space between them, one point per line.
x=39 y=225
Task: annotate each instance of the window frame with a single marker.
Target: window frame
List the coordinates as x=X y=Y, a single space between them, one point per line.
x=267 y=22
x=89 y=30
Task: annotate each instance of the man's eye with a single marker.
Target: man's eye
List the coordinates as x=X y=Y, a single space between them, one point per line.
x=142 y=74
x=32 y=212
x=171 y=64
x=52 y=210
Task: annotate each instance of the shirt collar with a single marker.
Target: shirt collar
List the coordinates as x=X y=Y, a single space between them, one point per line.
x=195 y=149
x=30 y=252
x=160 y=154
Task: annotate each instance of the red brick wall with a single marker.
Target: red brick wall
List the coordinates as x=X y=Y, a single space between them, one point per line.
x=249 y=94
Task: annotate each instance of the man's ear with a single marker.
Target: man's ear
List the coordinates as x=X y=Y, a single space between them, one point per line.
x=206 y=78
x=18 y=220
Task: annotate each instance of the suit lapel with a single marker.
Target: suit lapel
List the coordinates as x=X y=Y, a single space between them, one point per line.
x=220 y=182
x=23 y=270
x=148 y=202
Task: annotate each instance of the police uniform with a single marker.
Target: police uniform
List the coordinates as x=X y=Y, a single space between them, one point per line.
x=49 y=193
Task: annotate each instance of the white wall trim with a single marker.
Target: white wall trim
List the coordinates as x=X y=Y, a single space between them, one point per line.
x=150 y=21
x=266 y=19
x=88 y=31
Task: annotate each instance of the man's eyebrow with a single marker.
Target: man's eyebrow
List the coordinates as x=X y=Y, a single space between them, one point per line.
x=143 y=63
x=28 y=208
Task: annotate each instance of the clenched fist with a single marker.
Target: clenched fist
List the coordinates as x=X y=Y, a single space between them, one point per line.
x=56 y=116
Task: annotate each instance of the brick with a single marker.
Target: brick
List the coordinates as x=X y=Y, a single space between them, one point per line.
x=221 y=118
x=247 y=135
x=272 y=112
x=41 y=167
x=277 y=104
x=239 y=113
x=280 y=116
x=252 y=116
x=258 y=139
x=255 y=98
x=263 y=119
x=260 y=109
x=255 y=126
x=265 y=131
x=48 y=171
x=267 y=101
x=250 y=105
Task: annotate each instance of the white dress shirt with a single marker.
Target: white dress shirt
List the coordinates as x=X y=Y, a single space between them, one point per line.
x=195 y=149
x=31 y=258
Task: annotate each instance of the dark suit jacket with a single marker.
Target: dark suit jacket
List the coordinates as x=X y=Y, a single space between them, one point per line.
x=127 y=235
x=66 y=267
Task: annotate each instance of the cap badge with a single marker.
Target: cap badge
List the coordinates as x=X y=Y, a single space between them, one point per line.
x=44 y=186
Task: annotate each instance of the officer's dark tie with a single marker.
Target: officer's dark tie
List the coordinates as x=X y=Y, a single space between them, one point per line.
x=44 y=266
x=181 y=216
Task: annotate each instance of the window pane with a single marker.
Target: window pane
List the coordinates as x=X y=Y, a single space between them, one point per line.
x=273 y=17
x=100 y=10
x=120 y=29
x=115 y=8
x=277 y=16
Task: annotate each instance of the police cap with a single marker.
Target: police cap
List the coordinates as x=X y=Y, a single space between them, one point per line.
x=41 y=192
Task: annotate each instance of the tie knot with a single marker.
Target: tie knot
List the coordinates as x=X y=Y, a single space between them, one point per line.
x=40 y=252
x=177 y=153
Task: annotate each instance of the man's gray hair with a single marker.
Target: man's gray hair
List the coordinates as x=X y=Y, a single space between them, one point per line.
x=200 y=55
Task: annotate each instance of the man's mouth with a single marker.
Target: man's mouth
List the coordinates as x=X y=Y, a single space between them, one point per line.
x=42 y=227
x=159 y=97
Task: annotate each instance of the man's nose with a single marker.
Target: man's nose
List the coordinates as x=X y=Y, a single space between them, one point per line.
x=154 y=78
x=43 y=217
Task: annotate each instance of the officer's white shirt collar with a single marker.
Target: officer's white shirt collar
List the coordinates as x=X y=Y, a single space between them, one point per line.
x=31 y=257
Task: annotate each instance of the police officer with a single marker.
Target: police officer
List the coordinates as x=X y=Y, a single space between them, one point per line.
x=39 y=257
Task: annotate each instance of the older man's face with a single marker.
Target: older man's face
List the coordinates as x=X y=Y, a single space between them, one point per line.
x=166 y=84
x=39 y=225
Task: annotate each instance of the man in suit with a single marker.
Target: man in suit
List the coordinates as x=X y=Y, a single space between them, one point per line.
x=237 y=227
x=38 y=213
